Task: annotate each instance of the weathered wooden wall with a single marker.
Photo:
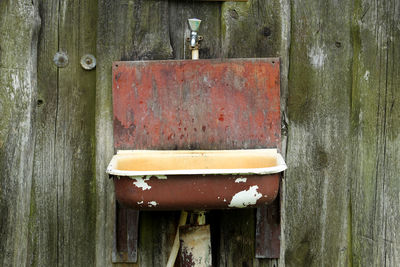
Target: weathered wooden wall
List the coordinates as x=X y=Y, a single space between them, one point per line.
x=341 y=122
x=342 y=187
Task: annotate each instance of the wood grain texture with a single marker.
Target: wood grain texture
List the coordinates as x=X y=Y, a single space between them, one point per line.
x=375 y=188
x=346 y=187
x=43 y=243
x=19 y=27
x=251 y=29
x=62 y=232
x=318 y=149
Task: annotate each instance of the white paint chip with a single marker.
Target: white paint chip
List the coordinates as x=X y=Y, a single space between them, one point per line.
x=245 y=198
x=142 y=184
x=241 y=180
x=140 y=202
x=152 y=203
x=161 y=177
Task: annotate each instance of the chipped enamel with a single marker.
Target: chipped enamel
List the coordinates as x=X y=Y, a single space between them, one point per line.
x=245 y=198
x=140 y=183
x=152 y=203
x=241 y=180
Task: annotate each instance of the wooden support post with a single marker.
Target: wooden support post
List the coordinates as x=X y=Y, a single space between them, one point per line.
x=125 y=235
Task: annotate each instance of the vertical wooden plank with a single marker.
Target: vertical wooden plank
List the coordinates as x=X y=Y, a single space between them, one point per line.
x=375 y=190
x=74 y=135
x=268 y=231
x=318 y=151
x=127 y=30
x=125 y=243
x=19 y=26
x=251 y=29
x=64 y=190
x=44 y=222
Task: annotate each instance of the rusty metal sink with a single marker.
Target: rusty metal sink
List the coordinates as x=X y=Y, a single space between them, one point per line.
x=168 y=110
x=196 y=179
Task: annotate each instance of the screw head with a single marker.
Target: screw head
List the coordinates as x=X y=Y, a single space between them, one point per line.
x=88 y=62
x=60 y=59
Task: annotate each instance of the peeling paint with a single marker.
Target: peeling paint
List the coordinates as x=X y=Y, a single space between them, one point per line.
x=152 y=203
x=245 y=198
x=161 y=177
x=141 y=183
x=140 y=202
x=241 y=180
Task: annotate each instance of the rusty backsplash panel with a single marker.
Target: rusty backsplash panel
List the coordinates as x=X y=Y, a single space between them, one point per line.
x=202 y=104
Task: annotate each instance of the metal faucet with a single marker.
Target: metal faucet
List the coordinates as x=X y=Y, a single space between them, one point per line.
x=194 y=39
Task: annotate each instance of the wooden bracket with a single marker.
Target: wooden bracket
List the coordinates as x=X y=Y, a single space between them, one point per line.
x=126 y=230
x=268 y=230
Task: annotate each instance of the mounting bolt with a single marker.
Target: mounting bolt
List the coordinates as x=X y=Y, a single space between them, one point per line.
x=61 y=59
x=88 y=62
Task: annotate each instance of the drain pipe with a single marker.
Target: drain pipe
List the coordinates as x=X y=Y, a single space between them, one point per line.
x=194 y=39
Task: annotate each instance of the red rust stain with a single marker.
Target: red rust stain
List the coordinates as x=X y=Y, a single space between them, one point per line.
x=169 y=97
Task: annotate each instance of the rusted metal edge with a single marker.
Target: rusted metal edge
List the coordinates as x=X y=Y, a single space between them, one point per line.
x=273 y=60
